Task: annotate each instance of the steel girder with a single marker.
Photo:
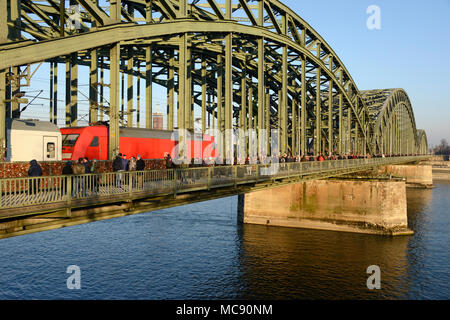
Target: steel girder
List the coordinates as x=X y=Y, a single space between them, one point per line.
x=252 y=65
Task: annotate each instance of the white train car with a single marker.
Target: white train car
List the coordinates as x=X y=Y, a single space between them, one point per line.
x=32 y=139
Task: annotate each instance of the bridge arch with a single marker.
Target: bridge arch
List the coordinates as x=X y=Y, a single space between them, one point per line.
x=250 y=65
x=395 y=129
x=422 y=142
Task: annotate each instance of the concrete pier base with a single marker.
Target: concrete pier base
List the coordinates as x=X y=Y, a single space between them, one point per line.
x=440 y=167
x=419 y=176
x=441 y=174
x=374 y=207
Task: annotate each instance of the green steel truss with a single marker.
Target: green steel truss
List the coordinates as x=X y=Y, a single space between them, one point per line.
x=394 y=124
x=240 y=64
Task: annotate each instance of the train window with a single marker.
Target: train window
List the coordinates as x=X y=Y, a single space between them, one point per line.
x=51 y=150
x=68 y=140
x=94 y=142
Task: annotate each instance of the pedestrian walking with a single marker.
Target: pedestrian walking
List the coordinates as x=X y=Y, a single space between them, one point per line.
x=140 y=166
x=95 y=177
x=35 y=170
x=87 y=165
x=132 y=169
x=125 y=162
x=132 y=164
x=88 y=180
x=118 y=167
x=79 y=187
x=67 y=170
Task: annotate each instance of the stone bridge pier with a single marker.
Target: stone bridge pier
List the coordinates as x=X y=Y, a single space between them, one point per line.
x=373 y=204
x=416 y=175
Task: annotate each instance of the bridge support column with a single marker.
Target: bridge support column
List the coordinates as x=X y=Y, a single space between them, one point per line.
x=303 y=114
x=93 y=88
x=73 y=104
x=420 y=176
x=130 y=88
x=114 y=102
x=171 y=92
x=373 y=207
x=3 y=87
x=148 y=88
x=2 y=114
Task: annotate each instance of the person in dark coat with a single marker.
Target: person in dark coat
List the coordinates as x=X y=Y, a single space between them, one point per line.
x=87 y=165
x=87 y=169
x=67 y=169
x=35 y=170
x=140 y=164
x=117 y=163
x=125 y=162
x=117 y=167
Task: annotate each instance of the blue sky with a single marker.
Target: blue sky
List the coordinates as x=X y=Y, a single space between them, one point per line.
x=410 y=51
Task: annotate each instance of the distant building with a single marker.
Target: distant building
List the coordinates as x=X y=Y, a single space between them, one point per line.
x=158 y=120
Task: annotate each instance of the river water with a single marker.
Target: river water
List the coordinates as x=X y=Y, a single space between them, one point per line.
x=199 y=251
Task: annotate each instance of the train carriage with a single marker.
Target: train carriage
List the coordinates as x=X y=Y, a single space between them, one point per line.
x=92 y=142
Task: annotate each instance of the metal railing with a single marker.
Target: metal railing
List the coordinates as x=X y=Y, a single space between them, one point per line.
x=19 y=192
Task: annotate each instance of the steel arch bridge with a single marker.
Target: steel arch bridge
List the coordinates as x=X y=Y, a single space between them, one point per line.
x=239 y=64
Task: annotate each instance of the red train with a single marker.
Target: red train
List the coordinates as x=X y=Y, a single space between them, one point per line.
x=92 y=142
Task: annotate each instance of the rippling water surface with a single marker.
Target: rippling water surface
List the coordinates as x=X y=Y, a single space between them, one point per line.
x=200 y=252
